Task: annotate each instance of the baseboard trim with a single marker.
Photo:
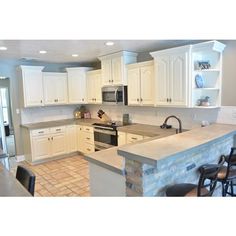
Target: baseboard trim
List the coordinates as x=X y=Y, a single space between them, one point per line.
x=20 y=158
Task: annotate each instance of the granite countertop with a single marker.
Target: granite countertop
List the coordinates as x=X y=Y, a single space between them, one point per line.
x=108 y=159
x=48 y=124
x=151 y=152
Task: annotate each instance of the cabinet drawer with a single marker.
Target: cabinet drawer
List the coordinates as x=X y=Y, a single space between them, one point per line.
x=38 y=132
x=88 y=138
x=87 y=129
x=132 y=138
x=59 y=129
x=88 y=148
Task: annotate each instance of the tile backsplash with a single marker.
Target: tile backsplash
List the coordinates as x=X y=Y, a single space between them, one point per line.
x=146 y=115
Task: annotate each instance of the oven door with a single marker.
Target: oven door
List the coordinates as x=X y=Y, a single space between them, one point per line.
x=105 y=137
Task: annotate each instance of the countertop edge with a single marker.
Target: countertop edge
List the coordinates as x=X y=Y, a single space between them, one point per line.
x=150 y=161
x=104 y=165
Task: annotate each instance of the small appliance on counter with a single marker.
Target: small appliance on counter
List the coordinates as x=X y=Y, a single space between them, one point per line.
x=79 y=112
x=126 y=119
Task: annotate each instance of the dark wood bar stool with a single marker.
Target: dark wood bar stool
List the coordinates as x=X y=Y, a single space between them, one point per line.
x=227 y=174
x=26 y=178
x=208 y=173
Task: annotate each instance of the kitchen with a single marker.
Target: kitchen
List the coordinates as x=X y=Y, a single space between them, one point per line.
x=66 y=112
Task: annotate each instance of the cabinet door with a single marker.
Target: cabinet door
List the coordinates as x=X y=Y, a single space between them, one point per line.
x=178 y=79
x=55 y=88
x=106 y=72
x=90 y=88
x=32 y=87
x=117 y=70
x=98 y=88
x=41 y=147
x=58 y=144
x=147 y=85
x=71 y=138
x=76 y=86
x=133 y=75
x=162 y=80
x=80 y=139
x=121 y=138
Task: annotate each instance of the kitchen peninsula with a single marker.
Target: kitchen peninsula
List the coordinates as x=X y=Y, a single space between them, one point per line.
x=149 y=166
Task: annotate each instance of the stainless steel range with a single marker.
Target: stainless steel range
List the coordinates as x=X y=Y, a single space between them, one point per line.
x=105 y=135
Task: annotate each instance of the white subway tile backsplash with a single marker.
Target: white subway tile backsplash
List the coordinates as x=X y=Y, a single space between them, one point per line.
x=146 y=115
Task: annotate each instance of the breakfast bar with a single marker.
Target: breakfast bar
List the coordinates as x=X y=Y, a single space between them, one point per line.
x=151 y=165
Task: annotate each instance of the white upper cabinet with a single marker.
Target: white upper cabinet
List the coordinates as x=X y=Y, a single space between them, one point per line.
x=140 y=83
x=55 y=88
x=94 y=85
x=172 y=77
x=77 y=85
x=31 y=86
x=113 y=67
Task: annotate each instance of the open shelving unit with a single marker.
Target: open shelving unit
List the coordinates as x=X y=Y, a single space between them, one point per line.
x=212 y=77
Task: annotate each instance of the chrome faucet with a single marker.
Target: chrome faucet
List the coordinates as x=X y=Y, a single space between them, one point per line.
x=164 y=125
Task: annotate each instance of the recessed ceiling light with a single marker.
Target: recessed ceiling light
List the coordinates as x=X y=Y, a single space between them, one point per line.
x=109 y=43
x=42 y=52
x=74 y=55
x=3 y=48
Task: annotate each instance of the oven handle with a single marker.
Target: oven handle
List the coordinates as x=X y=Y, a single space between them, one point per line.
x=116 y=92
x=105 y=131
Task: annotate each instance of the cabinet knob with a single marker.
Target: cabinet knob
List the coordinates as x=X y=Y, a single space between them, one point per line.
x=137 y=99
x=41 y=101
x=141 y=99
x=88 y=149
x=170 y=99
x=167 y=99
x=82 y=99
x=51 y=138
x=48 y=139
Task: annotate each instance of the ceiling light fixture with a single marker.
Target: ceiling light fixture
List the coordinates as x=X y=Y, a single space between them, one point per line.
x=109 y=43
x=3 y=48
x=74 y=55
x=42 y=52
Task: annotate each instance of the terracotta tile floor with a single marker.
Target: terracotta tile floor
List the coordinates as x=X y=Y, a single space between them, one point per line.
x=64 y=177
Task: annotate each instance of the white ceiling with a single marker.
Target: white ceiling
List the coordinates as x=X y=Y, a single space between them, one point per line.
x=60 y=51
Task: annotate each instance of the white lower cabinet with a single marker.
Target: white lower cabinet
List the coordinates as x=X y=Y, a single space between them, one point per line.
x=85 y=139
x=46 y=143
x=71 y=138
x=128 y=138
x=41 y=147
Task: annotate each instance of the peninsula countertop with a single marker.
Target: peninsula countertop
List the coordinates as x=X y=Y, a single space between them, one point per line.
x=151 y=152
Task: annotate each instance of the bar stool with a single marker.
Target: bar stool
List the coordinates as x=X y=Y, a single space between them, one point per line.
x=227 y=174
x=202 y=189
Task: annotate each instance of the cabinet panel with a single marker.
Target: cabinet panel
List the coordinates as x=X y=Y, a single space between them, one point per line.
x=41 y=147
x=55 y=88
x=94 y=84
x=179 y=79
x=80 y=139
x=71 y=138
x=162 y=80
x=121 y=138
x=147 y=85
x=77 y=85
x=58 y=144
x=32 y=86
x=117 y=70
x=133 y=86
x=106 y=71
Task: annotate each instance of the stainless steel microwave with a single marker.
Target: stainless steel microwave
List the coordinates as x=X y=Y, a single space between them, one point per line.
x=114 y=95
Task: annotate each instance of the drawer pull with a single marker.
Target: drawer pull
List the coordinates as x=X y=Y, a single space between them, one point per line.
x=41 y=132
x=88 y=149
x=133 y=138
x=87 y=129
x=58 y=129
x=88 y=138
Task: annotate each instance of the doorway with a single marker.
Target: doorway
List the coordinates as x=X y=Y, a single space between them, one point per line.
x=8 y=138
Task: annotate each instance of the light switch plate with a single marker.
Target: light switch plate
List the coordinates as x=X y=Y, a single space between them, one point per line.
x=234 y=113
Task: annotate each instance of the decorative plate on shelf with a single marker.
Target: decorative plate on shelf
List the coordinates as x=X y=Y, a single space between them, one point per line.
x=199 y=81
